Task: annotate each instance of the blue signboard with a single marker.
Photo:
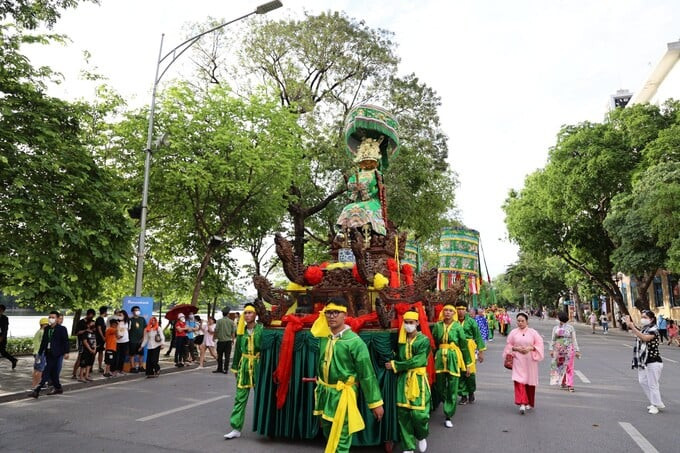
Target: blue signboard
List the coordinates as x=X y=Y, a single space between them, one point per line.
x=145 y=305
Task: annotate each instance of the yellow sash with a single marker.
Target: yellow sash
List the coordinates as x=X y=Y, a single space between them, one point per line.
x=346 y=406
x=472 y=347
x=459 y=355
x=412 y=389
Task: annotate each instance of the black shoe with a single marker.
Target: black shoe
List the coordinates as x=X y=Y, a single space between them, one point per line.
x=218 y=371
x=142 y=369
x=35 y=393
x=226 y=371
x=463 y=400
x=180 y=365
x=134 y=370
x=14 y=363
x=471 y=398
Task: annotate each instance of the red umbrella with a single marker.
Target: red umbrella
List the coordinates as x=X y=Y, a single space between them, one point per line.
x=186 y=309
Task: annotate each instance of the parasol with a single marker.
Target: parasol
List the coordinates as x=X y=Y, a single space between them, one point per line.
x=181 y=308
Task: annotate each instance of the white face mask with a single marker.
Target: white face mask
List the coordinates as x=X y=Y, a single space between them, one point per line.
x=410 y=328
x=120 y=318
x=52 y=321
x=645 y=321
x=136 y=312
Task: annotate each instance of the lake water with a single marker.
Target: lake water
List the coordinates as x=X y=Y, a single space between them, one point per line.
x=26 y=326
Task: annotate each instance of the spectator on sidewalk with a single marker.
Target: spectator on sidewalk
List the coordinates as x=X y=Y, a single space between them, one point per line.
x=663 y=328
x=4 y=330
x=208 y=343
x=153 y=340
x=180 y=340
x=192 y=328
x=55 y=346
x=39 y=360
x=89 y=344
x=81 y=328
x=171 y=326
x=123 y=341
x=604 y=321
x=100 y=334
x=136 y=333
x=592 y=320
x=111 y=347
x=647 y=359
x=673 y=332
x=225 y=331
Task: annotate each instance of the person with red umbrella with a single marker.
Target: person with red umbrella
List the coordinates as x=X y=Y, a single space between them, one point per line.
x=181 y=330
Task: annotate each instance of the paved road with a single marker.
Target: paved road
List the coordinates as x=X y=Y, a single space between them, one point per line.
x=188 y=411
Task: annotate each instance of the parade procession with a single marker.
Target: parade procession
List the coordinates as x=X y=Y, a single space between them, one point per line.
x=364 y=348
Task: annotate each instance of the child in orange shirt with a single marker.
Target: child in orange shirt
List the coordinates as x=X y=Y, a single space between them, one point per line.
x=110 y=347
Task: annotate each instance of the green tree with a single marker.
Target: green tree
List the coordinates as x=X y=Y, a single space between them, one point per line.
x=62 y=225
x=224 y=174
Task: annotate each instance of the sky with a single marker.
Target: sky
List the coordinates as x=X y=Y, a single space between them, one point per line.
x=509 y=73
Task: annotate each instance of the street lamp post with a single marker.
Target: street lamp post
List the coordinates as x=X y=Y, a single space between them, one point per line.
x=168 y=59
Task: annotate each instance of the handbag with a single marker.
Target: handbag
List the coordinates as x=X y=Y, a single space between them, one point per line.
x=507 y=363
x=157 y=338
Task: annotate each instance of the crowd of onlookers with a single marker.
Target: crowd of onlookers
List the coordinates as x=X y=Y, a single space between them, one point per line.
x=112 y=342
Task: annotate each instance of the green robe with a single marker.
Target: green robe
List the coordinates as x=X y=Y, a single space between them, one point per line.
x=343 y=358
x=474 y=340
x=365 y=207
x=448 y=363
x=413 y=415
x=491 y=321
x=247 y=357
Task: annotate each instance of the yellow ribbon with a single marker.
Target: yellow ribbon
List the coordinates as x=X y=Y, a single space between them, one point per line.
x=412 y=389
x=472 y=347
x=347 y=406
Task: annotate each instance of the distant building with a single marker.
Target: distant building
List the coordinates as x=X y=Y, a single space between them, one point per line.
x=663 y=83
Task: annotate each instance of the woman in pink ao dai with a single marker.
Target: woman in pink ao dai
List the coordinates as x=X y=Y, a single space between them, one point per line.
x=526 y=346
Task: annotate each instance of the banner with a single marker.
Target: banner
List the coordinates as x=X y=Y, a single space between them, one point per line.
x=145 y=305
x=459 y=258
x=412 y=256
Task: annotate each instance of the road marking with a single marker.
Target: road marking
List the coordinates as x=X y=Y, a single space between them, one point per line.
x=179 y=409
x=582 y=377
x=638 y=438
x=627 y=345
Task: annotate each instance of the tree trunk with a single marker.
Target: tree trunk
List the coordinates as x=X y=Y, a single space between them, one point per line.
x=205 y=262
x=642 y=303
x=299 y=235
x=76 y=318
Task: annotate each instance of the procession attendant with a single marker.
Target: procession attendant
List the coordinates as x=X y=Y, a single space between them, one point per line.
x=526 y=347
x=344 y=363
x=480 y=319
x=476 y=347
x=246 y=366
x=413 y=388
x=491 y=322
x=450 y=360
x=563 y=348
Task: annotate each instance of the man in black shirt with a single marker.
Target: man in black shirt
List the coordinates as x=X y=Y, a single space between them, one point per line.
x=81 y=328
x=4 y=329
x=100 y=333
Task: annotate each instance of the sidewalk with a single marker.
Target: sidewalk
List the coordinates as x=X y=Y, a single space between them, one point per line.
x=16 y=384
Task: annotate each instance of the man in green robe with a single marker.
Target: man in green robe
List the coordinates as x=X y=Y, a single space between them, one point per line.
x=246 y=366
x=413 y=388
x=475 y=342
x=451 y=358
x=491 y=321
x=344 y=362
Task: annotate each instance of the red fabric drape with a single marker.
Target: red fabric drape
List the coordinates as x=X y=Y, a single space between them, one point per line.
x=283 y=371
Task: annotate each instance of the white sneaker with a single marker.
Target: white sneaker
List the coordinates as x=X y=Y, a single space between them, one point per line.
x=408 y=451
x=422 y=445
x=653 y=410
x=650 y=406
x=235 y=433
x=522 y=409
x=528 y=407
x=448 y=424
x=661 y=406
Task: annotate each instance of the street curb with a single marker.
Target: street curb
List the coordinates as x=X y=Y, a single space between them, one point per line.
x=101 y=382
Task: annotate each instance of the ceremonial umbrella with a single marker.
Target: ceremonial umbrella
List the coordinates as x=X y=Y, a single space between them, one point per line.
x=186 y=309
